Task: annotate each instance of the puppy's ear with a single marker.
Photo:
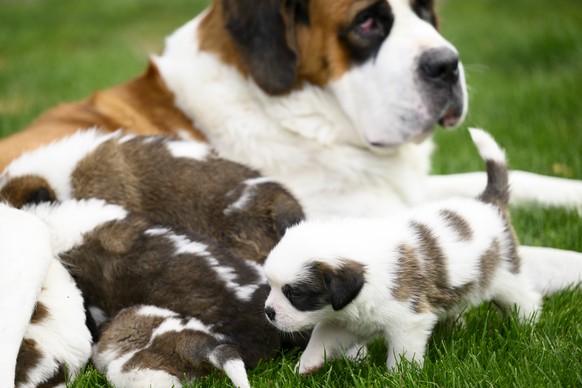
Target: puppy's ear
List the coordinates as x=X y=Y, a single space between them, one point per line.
x=286 y=213
x=344 y=283
x=264 y=33
x=27 y=189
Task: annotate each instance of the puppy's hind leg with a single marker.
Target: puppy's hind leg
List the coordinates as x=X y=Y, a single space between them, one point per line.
x=226 y=357
x=517 y=291
x=408 y=339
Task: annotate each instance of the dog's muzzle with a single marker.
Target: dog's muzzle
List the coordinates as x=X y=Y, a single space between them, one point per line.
x=440 y=71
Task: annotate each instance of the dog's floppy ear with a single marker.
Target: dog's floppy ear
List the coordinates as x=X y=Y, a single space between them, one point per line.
x=344 y=283
x=264 y=33
x=286 y=213
x=27 y=189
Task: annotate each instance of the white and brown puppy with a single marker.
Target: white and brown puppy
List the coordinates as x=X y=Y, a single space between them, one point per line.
x=175 y=182
x=42 y=328
x=354 y=280
x=121 y=260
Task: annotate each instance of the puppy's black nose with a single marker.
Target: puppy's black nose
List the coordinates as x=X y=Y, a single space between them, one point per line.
x=439 y=66
x=270 y=312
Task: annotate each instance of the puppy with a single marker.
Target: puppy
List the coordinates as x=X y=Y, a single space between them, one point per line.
x=43 y=336
x=180 y=303
x=354 y=280
x=175 y=182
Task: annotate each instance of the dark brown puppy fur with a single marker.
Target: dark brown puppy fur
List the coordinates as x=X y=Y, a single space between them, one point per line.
x=120 y=265
x=185 y=193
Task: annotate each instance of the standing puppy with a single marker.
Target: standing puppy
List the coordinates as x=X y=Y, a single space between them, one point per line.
x=354 y=280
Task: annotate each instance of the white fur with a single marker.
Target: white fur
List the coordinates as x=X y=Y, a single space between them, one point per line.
x=63 y=337
x=313 y=140
x=188 y=149
x=69 y=220
x=25 y=257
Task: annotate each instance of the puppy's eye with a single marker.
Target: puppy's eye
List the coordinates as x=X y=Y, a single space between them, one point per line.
x=292 y=293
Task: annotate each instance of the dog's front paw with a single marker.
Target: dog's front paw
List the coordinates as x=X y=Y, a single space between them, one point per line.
x=306 y=367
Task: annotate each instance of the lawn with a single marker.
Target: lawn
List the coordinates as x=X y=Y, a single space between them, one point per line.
x=523 y=61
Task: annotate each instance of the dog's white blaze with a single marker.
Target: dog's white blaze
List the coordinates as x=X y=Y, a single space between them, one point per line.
x=57 y=161
x=247 y=195
x=382 y=97
x=188 y=149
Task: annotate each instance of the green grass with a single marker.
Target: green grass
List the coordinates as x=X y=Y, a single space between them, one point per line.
x=523 y=61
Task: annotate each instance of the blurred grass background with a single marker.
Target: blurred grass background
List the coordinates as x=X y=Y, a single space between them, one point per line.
x=523 y=61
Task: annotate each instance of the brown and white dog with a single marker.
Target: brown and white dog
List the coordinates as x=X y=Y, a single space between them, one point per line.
x=356 y=279
x=337 y=99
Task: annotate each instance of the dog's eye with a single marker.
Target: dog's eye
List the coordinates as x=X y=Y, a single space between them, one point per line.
x=292 y=293
x=366 y=23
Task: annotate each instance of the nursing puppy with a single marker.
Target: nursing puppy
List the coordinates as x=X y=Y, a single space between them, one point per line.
x=203 y=302
x=176 y=182
x=43 y=336
x=354 y=280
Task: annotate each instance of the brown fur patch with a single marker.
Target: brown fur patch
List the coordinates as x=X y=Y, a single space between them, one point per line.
x=489 y=263
x=439 y=292
x=143 y=106
x=39 y=314
x=410 y=284
x=28 y=358
x=321 y=57
x=143 y=176
x=25 y=189
x=459 y=224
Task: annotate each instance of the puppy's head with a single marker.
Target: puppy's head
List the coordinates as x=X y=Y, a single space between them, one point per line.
x=309 y=282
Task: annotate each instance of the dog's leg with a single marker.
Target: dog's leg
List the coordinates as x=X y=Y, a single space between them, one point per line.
x=550 y=270
x=25 y=256
x=408 y=339
x=515 y=290
x=327 y=342
x=526 y=188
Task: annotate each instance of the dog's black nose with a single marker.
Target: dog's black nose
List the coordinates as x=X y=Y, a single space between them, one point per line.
x=270 y=312
x=440 y=66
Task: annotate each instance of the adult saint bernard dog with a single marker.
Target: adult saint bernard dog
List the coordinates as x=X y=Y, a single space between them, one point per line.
x=337 y=99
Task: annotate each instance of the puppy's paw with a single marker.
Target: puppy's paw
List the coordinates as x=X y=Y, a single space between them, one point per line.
x=357 y=353
x=307 y=367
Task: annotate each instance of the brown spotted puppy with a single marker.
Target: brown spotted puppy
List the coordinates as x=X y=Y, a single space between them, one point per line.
x=175 y=182
x=353 y=280
x=43 y=336
x=204 y=303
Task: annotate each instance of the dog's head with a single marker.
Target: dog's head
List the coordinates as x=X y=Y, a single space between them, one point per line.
x=309 y=281
x=385 y=63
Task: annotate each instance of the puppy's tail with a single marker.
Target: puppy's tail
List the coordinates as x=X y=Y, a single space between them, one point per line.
x=497 y=189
